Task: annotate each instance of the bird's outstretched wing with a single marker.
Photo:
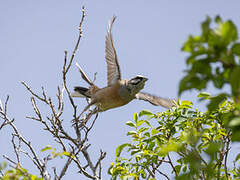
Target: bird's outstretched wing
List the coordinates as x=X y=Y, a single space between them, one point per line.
x=155 y=100
x=113 y=68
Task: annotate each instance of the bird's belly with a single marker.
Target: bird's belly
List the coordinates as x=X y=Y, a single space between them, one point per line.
x=111 y=101
x=108 y=98
x=103 y=106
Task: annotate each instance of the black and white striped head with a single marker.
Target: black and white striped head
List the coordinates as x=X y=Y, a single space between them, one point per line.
x=137 y=83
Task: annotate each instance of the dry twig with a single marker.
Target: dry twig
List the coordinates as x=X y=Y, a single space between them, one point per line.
x=76 y=143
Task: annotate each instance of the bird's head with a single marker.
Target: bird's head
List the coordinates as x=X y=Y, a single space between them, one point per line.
x=136 y=84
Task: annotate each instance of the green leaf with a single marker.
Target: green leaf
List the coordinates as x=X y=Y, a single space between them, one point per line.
x=237 y=157
x=228 y=32
x=147 y=134
x=148 y=123
x=219 y=81
x=215 y=101
x=189 y=44
x=235 y=122
x=120 y=148
x=66 y=153
x=236 y=134
x=139 y=123
x=155 y=131
x=143 y=174
x=202 y=66
x=212 y=148
x=235 y=81
x=178 y=168
x=151 y=145
x=145 y=113
x=218 y=19
x=130 y=123
x=184 y=168
x=236 y=49
x=135 y=117
x=135 y=151
x=142 y=129
x=48 y=147
x=206 y=27
x=131 y=133
x=204 y=95
x=186 y=104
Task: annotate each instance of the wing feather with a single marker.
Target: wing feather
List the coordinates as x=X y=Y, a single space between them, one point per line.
x=113 y=68
x=155 y=100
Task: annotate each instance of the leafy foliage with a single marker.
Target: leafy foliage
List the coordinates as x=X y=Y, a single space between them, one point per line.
x=55 y=154
x=17 y=173
x=199 y=140
x=214 y=57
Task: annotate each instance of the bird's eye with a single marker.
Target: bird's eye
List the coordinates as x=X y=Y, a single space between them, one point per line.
x=135 y=81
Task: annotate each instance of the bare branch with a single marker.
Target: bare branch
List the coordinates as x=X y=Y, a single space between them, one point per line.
x=163 y=174
x=170 y=162
x=69 y=160
x=78 y=40
x=52 y=123
x=10 y=160
x=16 y=148
x=20 y=138
x=101 y=157
x=87 y=157
x=228 y=140
x=34 y=94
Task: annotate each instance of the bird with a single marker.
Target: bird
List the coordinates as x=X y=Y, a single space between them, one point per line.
x=118 y=91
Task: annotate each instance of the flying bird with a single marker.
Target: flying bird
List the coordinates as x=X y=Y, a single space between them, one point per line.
x=118 y=92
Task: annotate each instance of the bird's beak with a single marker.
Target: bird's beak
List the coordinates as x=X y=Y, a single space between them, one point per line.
x=145 y=79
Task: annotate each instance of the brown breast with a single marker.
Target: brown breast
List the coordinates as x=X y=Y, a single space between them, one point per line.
x=108 y=98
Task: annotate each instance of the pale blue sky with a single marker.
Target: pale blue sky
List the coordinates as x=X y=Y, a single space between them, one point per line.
x=148 y=37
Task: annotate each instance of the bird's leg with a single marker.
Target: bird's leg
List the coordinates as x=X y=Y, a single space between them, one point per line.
x=88 y=100
x=89 y=115
x=85 y=109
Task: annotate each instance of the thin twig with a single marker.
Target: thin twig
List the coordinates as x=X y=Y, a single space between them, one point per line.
x=163 y=174
x=87 y=157
x=226 y=153
x=16 y=149
x=34 y=94
x=78 y=40
x=101 y=157
x=63 y=172
x=170 y=161
x=53 y=124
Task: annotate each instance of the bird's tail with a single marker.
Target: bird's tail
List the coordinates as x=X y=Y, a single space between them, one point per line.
x=81 y=92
